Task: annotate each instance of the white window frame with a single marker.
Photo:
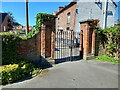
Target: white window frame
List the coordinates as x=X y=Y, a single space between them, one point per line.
x=4 y=28
x=68 y=18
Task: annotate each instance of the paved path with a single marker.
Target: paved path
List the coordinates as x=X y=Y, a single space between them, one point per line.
x=77 y=74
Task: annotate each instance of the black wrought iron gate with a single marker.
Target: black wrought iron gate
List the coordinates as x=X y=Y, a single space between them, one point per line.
x=67 y=46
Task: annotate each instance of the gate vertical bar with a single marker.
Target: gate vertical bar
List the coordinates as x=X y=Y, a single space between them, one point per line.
x=71 y=46
x=66 y=44
x=61 y=45
x=57 y=44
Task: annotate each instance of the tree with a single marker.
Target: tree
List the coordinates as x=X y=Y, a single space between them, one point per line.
x=16 y=24
x=11 y=21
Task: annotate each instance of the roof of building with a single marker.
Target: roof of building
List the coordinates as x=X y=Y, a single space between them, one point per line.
x=74 y=2
x=117 y=22
x=2 y=17
x=66 y=7
x=114 y=3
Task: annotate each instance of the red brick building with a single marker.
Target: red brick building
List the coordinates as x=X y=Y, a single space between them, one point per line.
x=23 y=28
x=66 y=17
x=3 y=22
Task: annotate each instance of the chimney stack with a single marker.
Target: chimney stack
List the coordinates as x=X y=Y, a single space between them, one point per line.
x=60 y=8
x=54 y=12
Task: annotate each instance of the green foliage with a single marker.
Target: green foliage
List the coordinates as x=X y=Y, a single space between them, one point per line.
x=113 y=41
x=111 y=38
x=99 y=30
x=18 y=69
x=40 y=19
x=100 y=34
x=9 y=42
x=107 y=58
x=18 y=30
x=10 y=21
x=12 y=72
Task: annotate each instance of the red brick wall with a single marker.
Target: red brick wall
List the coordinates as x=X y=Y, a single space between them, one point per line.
x=63 y=18
x=5 y=23
x=30 y=49
x=88 y=37
x=47 y=41
x=42 y=44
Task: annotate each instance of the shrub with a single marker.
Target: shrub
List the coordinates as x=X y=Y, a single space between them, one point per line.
x=113 y=41
x=12 y=72
x=110 y=37
x=9 y=42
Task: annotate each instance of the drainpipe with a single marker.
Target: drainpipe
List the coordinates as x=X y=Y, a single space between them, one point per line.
x=105 y=14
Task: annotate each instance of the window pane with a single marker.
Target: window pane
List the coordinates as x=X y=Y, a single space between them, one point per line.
x=68 y=19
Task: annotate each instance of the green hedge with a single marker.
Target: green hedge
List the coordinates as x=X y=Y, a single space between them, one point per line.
x=113 y=41
x=110 y=38
x=9 y=43
x=13 y=72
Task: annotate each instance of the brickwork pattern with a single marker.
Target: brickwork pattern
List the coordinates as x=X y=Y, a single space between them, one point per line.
x=30 y=49
x=42 y=44
x=63 y=18
x=87 y=38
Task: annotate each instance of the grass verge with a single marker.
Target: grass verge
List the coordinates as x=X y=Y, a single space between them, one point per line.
x=107 y=58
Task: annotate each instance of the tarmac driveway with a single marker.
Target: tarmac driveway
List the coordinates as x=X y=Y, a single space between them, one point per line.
x=77 y=74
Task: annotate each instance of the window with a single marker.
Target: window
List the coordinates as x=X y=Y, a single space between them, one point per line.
x=97 y=1
x=68 y=18
x=4 y=28
x=77 y=11
x=68 y=28
x=58 y=20
x=110 y=13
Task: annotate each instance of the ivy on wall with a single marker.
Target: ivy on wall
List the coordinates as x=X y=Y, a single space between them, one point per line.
x=10 y=40
x=40 y=19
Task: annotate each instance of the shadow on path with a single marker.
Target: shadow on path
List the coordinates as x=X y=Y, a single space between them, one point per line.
x=44 y=63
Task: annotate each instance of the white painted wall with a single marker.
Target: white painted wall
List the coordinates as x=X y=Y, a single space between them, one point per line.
x=91 y=10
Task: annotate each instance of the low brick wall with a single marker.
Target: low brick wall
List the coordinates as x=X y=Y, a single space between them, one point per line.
x=41 y=45
x=30 y=49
